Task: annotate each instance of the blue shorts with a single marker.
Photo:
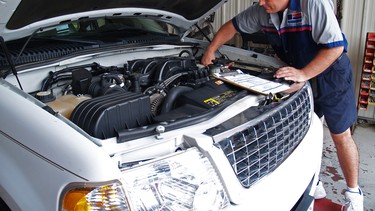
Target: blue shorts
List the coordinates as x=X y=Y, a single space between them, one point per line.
x=335 y=99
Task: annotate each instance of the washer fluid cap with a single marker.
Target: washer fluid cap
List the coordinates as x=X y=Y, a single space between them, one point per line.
x=45 y=96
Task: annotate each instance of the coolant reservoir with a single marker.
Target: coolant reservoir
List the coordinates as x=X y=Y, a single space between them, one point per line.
x=66 y=103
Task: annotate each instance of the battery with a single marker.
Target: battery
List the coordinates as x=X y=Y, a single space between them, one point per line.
x=214 y=93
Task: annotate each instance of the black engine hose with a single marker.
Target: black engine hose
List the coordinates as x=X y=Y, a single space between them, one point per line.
x=187 y=52
x=173 y=94
x=115 y=77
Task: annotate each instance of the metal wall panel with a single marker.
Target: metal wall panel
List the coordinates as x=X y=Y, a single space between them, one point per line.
x=357 y=21
x=227 y=12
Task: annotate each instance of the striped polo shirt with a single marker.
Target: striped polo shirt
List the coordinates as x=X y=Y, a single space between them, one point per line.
x=297 y=33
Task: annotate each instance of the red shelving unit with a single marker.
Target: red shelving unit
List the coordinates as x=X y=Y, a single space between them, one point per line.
x=367 y=89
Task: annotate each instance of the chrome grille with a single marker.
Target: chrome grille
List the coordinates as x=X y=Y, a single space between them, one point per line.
x=266 y=142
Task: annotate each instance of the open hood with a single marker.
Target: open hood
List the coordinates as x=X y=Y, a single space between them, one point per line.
x=20 y=18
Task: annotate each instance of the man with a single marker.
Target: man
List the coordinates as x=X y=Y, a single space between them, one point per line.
x=306 y=36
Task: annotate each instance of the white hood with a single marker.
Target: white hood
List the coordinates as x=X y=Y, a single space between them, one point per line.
x=20 y=18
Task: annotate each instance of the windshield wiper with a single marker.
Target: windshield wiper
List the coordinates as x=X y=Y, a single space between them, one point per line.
x=72 y=39
x=131 y=30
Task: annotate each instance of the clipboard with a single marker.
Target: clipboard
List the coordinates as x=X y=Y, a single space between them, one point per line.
x=251 y=83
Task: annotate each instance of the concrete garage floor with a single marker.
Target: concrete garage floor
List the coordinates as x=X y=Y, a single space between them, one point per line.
x=331 y=174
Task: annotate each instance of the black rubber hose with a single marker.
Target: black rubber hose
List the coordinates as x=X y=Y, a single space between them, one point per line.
x=173 y=94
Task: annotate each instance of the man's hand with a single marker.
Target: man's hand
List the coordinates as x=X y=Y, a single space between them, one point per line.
x=208 y=58
x=291 y=74
x=225 y=33
x=324 y=58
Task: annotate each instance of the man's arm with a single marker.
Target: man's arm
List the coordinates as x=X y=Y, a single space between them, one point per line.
x=225 y=33
x=321 y=62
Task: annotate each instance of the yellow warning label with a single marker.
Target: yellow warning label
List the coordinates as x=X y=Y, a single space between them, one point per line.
x=212 y=102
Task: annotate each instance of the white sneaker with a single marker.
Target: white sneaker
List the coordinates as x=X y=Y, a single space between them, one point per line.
x=354 y=200
x=320 y=192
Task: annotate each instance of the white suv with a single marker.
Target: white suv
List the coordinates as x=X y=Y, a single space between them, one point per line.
x=106 y=107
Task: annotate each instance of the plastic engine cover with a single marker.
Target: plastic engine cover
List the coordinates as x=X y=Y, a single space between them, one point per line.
x=103 y=117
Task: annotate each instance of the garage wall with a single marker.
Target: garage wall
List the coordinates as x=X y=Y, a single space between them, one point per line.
x=357 y=21
x=228 y=11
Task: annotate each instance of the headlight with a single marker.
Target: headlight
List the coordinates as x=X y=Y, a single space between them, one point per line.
x=182 y=181
x=185 y=181
x=79 y=197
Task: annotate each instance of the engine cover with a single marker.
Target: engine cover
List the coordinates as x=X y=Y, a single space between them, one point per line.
x=103 y=117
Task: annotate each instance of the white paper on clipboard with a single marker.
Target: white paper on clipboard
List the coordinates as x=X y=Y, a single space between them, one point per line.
x=252 y=83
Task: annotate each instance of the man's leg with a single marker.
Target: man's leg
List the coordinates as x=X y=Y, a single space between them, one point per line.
x=347 y=154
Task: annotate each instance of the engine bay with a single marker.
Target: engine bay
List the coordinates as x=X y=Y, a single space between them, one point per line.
x=112 y=101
